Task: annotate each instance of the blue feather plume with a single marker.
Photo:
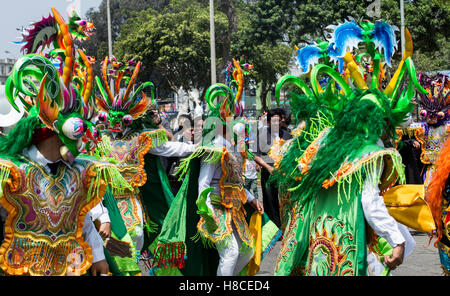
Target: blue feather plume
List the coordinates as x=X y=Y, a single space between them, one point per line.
x=308 y=56
x=346 y=37
x=333 y=53
x=384 y=38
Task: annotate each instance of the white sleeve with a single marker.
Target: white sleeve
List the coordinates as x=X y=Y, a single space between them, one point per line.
x=250 y=197
x=93 y=238
x=100 y=213
x=177 y=149
x=207 y=171
x=376 y=213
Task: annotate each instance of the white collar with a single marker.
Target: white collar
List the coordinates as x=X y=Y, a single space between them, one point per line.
x=380 y=142
x=34 y=155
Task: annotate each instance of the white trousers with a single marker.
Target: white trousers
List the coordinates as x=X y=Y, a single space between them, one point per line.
x=232 y=261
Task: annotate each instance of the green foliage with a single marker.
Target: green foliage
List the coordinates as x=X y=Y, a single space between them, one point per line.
x=174 y=43
x=428 y=22
x=171 y=37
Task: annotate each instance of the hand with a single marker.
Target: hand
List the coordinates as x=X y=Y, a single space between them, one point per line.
x=105 y=230
x=416 y=144
x=100 y=268
x=270 y=169
x=257 y=205
x=397 y=257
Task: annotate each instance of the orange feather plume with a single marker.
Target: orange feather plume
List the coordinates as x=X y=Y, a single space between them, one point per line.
x=47 y=112
x=437 y=185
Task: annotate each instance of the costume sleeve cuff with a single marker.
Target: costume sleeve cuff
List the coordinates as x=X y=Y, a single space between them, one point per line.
x=104 y=218
x=250 y=197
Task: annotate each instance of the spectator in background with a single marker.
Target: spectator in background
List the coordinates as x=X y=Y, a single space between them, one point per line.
x=184 y=134
x=275 y=129
x=251 y=177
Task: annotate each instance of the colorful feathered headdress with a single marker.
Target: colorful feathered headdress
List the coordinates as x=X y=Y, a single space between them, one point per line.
x=436 y=104
x=63 y=98
x=224 y=100
x=349 y=75
x=125 y=104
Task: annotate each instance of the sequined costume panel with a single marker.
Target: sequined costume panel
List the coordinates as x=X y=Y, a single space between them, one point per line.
x=44 y=225
x=230 y=208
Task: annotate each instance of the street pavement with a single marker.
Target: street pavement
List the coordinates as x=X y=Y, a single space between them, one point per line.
x=424 y=261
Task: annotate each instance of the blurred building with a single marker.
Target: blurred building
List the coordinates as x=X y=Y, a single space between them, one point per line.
x=6 y=66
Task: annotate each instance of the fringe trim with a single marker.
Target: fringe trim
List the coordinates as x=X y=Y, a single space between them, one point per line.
x=206 y=242
x=151 y=226
x=368 y=168
x=170 y=255
x=212 y=155
x=4 y=175
x=157 y=137
x=42 y=257
x=106 y=174
x=103 y=148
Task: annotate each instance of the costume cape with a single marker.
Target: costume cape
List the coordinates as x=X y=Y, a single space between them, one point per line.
x=326 y=235
x=182 y=247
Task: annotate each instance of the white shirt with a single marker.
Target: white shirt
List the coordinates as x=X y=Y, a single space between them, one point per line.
x=250 y=170
x=90 y=234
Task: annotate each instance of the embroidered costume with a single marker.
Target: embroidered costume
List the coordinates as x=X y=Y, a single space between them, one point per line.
x=48 y=229
x=225 y=237
x=337 y=168
x=134 y=143
x=434 y=129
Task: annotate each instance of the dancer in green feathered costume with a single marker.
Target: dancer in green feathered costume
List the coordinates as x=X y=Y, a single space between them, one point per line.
x=47 y=187
x=215 y=226
x=334 y=210
x=134 y=142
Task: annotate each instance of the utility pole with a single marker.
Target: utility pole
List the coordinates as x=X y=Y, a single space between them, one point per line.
x=108 y=17
x=212 y=41
x=402 y=27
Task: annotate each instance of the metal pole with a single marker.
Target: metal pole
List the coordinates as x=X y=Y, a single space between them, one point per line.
x=212 y=41
x=108 y=17
x=402 y=27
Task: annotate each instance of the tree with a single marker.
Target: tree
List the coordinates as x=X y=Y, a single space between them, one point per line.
x=422 y=17
x=428 y=21
x=174 y=43
x=259 y=40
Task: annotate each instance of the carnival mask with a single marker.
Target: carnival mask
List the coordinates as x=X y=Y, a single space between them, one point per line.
x=434 y=106
x=120 y=110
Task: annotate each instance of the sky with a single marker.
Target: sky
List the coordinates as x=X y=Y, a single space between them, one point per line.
x=21 y=13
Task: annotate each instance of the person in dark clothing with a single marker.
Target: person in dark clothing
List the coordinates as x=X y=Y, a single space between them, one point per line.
x=410 y=152
x=276 y=129
x=185 y=134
